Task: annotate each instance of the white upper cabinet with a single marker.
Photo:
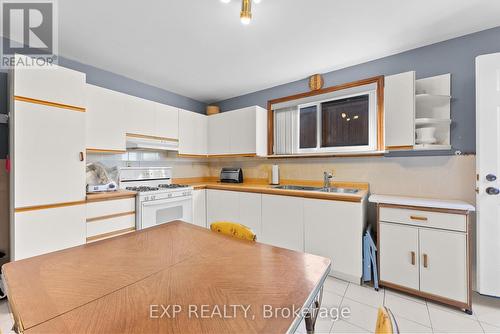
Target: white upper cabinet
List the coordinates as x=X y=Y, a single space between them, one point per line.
x=57 y=85
x=192 y=133
x=166 y=121
x=399 y=111
x=219 y=134
x=242 y=131
x=104 y=118
x=140 y=116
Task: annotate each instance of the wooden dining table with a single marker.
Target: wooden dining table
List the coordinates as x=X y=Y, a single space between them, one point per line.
x=172 y=278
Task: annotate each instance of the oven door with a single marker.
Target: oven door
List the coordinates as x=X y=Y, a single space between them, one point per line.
x=165 y=210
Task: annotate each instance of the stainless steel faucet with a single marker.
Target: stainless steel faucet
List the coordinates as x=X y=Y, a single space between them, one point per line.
x=327 y=176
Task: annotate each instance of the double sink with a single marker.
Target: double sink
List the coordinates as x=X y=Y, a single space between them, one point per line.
x=320 y=189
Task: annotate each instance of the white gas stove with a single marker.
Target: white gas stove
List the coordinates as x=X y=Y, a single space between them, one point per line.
x=158 y=200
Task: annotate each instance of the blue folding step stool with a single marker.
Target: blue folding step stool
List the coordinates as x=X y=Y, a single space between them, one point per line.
x=370 y=259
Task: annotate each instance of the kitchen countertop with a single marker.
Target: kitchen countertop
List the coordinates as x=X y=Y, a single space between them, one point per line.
x=119 y=194
x=262 y=187
x=422 y=202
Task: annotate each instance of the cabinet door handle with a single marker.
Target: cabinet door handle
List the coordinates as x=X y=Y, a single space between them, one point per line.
x=412 y=258
x=82 y=157
x=418 y=218
x=426 y=261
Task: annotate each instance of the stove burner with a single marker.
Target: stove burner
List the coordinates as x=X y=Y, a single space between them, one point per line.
x=172 y=186
x=142 y=188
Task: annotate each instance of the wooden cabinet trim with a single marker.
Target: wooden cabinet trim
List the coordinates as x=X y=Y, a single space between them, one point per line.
x=115 y=215
x=104 y=150
x=379 y=80
x=110 y=234
x=426 y=295
x=49 y=103
x=423 y=208
x=198 y=156
x=135 y=135
x=401 y=148
x=48 y=206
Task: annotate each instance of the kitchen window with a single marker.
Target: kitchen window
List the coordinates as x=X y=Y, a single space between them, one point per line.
x=340 y=119
x=343 y=124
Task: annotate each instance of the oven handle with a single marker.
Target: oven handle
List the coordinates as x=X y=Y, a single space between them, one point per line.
x=166 y=201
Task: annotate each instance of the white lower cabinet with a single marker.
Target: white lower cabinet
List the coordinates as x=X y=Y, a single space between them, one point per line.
x=43 y=231
x=233 y=206
x=200 y=207
x=282 y=222
x=444 y=272
x=399 y=248
x=426 y=252
x=334 y=229
x=109 y=218
x=222 y=206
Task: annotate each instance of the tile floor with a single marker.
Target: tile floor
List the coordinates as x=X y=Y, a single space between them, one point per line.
x=413 y=315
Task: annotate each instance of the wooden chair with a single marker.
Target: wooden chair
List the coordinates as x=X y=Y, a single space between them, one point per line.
x=234 y=230
x=386 y=323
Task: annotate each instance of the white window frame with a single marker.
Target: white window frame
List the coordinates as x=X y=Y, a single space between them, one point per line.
x=372 y=126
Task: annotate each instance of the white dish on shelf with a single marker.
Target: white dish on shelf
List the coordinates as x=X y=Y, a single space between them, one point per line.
x=432 y=147
x=426 y=141
x=432 y=121
x=426 y=135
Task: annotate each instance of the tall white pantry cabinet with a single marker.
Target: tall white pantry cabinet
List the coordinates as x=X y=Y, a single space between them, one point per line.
x=47 y=151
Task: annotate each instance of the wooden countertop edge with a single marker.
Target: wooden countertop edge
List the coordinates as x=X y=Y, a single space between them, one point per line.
x=266 y=189
x=115 y=195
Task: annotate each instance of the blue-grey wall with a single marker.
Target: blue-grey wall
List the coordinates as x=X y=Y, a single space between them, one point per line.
x=455 y=56
x=108 y=80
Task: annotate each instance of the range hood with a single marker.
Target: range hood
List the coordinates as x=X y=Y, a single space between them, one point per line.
x=151 y=143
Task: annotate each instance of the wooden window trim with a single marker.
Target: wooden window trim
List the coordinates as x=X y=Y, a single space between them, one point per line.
x=378 y=80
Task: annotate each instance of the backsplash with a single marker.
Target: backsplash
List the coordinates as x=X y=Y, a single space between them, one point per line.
x=446 y=177
x=181 y=167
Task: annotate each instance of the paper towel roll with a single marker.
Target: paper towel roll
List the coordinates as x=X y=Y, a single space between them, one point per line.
x=275 y=178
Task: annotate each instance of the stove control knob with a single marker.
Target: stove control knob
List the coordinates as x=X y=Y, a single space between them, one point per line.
x=146 y=198
x=153 y=198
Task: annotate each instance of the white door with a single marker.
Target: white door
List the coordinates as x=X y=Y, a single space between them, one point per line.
x=49 y=162
x=282 y=222
x=443 y=256
x=399 y=258
x=487 y=165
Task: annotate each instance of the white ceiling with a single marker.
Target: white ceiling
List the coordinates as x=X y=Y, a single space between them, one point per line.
x=198 y=48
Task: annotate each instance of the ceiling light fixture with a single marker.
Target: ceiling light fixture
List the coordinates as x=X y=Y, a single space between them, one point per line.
x=246 y=9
